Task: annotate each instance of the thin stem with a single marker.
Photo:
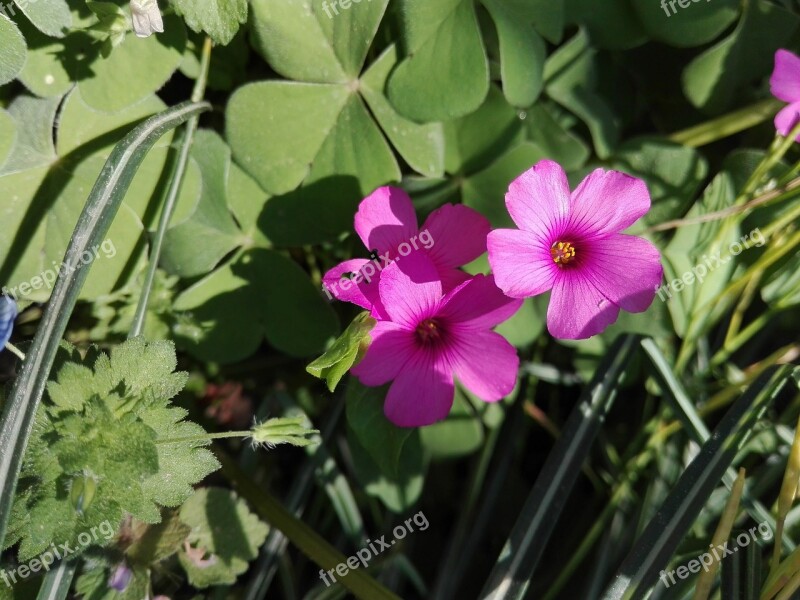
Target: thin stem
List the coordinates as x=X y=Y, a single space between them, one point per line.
x=172 y=196
x=731 y=210
x=14 y=350
x=206 y=437
x=726 y=125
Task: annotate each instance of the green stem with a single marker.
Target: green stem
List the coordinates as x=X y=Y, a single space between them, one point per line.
x=308 y=541
x=737 y=342
x=726 y=125
x=14 y=350
x=206 y=437
x=172 y=196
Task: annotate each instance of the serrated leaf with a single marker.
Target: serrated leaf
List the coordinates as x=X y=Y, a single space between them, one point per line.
x=220 y=19
x=180 y=465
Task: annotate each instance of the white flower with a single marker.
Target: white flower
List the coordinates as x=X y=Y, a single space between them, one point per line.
x=146 y=17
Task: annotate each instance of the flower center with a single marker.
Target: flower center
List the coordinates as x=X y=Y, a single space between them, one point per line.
x=563 y=253
x=429 y=332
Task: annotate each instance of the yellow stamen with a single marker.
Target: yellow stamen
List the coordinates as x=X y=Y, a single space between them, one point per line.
x=563 y=253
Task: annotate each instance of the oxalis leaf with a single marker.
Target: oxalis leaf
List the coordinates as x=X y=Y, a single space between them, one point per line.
x=95 y=453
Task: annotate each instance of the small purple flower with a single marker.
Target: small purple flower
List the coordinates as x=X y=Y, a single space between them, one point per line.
x=785 y=85
x=8 y=312
x=120 y=578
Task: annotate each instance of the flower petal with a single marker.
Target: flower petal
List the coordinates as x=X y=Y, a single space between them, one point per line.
x=577 y=309
x=626 y=269
x=478 y=304
x=485 y=363
x=521 y=262
x=385 y=219
x=410 y=289
x=452 y=278
x=391 y=348
x=785 y=80
x=457 y=233
x=607 y=202
x=787 y=118
x=538 y=200
x=335 y=285
x=422 y=393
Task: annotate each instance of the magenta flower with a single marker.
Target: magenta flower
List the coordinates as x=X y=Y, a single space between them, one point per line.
x=785 y=85
x=431 y=336
x=452 y=236
x=570 y=244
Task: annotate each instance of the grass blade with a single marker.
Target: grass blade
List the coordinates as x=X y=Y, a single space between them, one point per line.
x=57 y=582
x=100 y=210
x=510 y=577
x=661 y=537
x=698 y=432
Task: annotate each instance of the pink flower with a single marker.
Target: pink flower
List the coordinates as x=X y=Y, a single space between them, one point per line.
x=431 y=336
x=785 y=85
x=570 y=244
x=452 y=236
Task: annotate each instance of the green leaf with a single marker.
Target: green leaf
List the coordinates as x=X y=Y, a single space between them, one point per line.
x=350 y=32
x=104 y=200
x=557 y=141
x=422 y=146
x=104 y=422
x=290 y=37
x=45 y=72
x=673 y=173
x=33 y=146
x=134 y=70
x=460 y=434
x=669 y=526
x=260 y=294
x=153 y=543
x=211 y=221
x=382 y=439
x=708 y=82
x=300 y=116
x=685 y=27
x=320 y=134
x=522 y=55
x=51 y=17
x=690 y=248
x=8 y=135
x=485 y=191
x=12 y=48
x=610 y=24
x=537 y=520
x=225 y=536
x=220 y=19
x=180 y=466
x=445 y=74
x=344 y=352
x=476 y=140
